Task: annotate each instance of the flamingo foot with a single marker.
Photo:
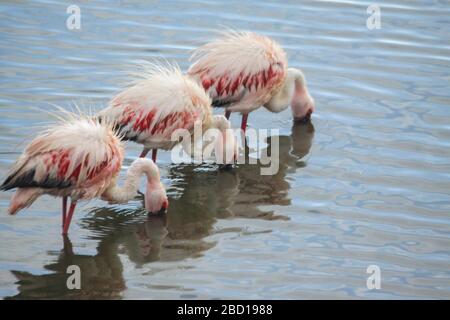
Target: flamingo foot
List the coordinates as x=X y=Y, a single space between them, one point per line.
x=305 y=119
x=161 y=212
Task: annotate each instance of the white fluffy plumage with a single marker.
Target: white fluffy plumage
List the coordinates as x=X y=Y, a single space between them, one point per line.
x=237 y=52
x=162 y=90
x=86 y=141
x=240 y=70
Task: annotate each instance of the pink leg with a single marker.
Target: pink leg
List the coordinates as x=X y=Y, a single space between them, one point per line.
x=64 y=210
x=227 y=114
x=144 y=153
x=154 y=151
x=69 y=218
x=244 y=122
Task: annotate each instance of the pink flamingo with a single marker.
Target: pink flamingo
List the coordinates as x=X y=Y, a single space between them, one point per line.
x=242 y=71
x=162 y=102
x=81 y=159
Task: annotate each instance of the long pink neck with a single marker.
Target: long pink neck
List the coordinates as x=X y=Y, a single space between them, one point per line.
x=128 y=191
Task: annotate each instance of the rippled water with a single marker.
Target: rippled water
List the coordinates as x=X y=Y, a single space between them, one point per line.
x=366 y=183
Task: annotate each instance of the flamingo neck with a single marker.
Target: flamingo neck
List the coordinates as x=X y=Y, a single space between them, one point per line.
x=294 y=84
x=139 y=167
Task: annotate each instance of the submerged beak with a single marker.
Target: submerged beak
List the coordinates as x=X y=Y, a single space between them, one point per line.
x=304 y=119
x=160 y=212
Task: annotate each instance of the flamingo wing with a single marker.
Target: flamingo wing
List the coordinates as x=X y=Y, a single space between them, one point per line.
x=239 y=67
x=155 y=107
x=65 y=157
x=138 y=118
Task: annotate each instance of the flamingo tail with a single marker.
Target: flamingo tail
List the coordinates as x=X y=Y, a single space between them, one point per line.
x=23 y=198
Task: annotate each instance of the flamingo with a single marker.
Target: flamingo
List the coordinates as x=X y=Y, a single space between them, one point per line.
x=242 y=71
x=81 y=159
x=164 y=101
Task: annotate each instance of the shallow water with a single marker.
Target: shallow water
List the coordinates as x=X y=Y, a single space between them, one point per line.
x=366 y=183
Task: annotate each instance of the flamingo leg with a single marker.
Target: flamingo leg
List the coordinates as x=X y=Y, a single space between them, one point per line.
x=64 y=210
x=69 y=217
x=244 y=122
x=144 y=153
x=154 y=151
x=227 y=114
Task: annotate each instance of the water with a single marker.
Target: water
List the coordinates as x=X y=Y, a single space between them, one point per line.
x=366 y=183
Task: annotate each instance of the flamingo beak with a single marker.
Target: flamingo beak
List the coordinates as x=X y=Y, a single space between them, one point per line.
x=304 y=119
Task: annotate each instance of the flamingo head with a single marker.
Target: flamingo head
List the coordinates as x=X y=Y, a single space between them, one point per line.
x=302 y=108
x=302 y=104
x=155 y=199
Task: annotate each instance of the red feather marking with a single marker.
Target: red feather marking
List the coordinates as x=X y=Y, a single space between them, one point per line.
x=63 y=163
x=145 y=122
x=247 y=81
x=227 y=88
x=167 y=123
x=261 y=81
x=76 y=173
x=264 y=77
x=256 y=80
x=219 y=86
x=92 y=174
x=47 y=162
x=160 y=126
x=54 y=156
x=236 y=84
x=270 y=72
x=206 y=83
x=224 y=86
x=137 y=120
x=128 y=115
x=97 y=169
